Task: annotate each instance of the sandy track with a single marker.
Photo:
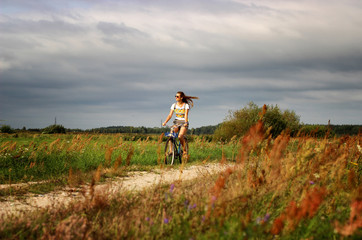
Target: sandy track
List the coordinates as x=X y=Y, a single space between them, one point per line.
x=134 y=182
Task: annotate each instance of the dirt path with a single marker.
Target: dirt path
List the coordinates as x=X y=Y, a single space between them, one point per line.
x=135 y=182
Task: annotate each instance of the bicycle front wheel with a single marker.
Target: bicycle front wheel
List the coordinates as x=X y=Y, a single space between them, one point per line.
x=170 y=151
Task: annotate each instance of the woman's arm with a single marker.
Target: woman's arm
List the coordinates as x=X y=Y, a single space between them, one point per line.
x=168 y=117
x=187 y=117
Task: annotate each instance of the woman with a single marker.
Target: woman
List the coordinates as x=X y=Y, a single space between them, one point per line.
x=181 y=109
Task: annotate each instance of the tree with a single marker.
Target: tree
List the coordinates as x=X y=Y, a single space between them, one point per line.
x=6 y=129
x=292 y=121
x=239 y=122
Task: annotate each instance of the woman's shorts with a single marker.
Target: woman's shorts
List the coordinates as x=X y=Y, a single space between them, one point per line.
x=179 y=123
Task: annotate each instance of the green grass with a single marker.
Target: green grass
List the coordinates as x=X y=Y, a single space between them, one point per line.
x=285 y=188
x=53 y=158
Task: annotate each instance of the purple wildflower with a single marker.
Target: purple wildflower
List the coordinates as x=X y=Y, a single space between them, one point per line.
x=311 y=182
x=186 y=203
x=192 y=206
x=266 y=217
x=172 y=187
x=166 y=220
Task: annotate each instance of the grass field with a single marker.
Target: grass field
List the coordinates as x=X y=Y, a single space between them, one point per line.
x=283 y=188
x=29 y=157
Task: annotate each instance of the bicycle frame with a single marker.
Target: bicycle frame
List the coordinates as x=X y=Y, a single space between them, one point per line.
x=177 y=149
x=176 y=140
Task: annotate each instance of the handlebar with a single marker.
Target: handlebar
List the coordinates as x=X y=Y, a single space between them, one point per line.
x=174 y=135
x=169 y=134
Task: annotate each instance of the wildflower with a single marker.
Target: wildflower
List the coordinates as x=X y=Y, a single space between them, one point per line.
x=192 y=206
x=172 y=187
x=266 y=217
x=166 y=220
x=263 y=220
x=186 y=203
x=311 y=182
x=147 y=219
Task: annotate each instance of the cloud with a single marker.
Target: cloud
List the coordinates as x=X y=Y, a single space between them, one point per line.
x=120 y=62
x=117 y=29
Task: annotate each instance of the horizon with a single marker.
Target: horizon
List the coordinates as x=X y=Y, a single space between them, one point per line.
x=85 y=129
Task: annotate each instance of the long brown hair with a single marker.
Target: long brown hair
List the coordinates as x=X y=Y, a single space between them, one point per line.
x=187 y=99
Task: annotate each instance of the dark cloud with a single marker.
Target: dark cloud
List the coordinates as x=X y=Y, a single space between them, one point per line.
x=117 y=29
x=121 y=62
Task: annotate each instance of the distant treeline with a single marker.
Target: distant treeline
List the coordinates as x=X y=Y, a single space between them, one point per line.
x=308 y=129
x=207 y=130
x=332 y=130
x=304 y=129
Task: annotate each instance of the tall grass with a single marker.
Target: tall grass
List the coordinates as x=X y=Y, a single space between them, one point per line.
x=283 y=188
x=40 y=157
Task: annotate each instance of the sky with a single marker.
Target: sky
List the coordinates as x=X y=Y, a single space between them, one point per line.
x=93 y=63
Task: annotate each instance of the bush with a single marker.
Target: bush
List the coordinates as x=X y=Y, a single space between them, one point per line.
x=54 y=129
x=239 y=122
x=6 y=129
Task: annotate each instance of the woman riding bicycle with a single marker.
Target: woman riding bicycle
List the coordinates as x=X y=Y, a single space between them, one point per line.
x=181 y=109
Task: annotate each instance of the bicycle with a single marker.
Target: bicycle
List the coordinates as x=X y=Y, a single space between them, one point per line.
x=173 y=148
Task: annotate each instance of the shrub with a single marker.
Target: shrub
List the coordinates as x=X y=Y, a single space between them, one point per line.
x=239 y=122
x=6 y=129
x=54 y=129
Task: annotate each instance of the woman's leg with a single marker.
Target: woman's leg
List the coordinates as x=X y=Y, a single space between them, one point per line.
x=174 y=129
x=181 y=136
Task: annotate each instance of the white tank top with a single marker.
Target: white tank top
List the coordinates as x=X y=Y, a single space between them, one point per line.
x=180 y=111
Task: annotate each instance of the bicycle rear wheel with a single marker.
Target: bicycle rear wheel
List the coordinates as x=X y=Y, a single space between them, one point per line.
x=170 y=151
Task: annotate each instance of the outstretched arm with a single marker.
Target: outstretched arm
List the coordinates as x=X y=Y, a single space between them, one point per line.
x=168 y=118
